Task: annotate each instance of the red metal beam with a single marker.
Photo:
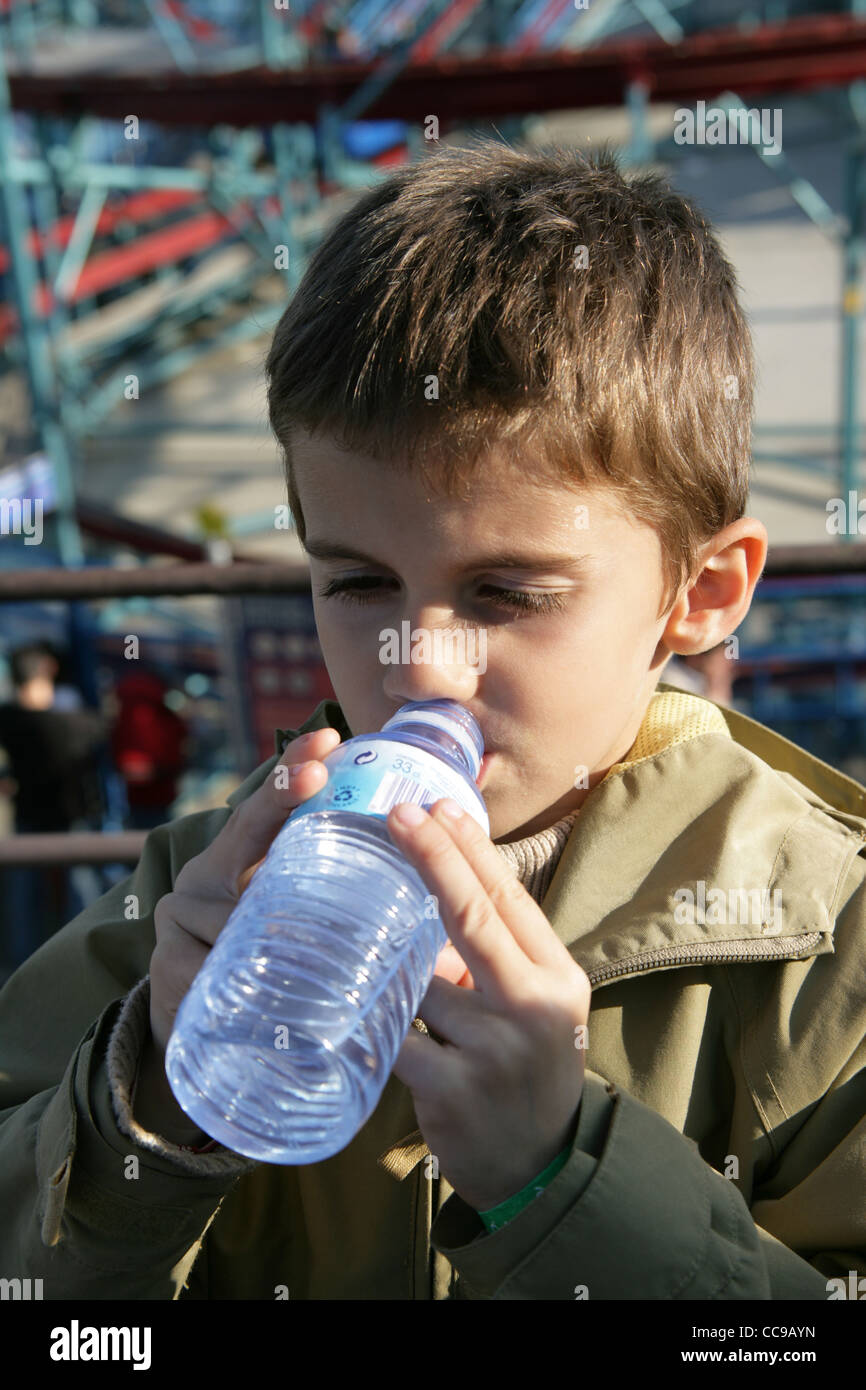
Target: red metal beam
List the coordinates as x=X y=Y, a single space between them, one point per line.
x=195 y=28
x=119 y=265
x=103 y=524
x=440 y=31
x=139 y=207
x=531 y=38
x=799 y=55
x=100 y=522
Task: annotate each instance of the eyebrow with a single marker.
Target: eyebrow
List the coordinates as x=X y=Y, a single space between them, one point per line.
x=333 y=550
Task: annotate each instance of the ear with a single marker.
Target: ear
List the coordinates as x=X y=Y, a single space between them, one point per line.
x=718 y=599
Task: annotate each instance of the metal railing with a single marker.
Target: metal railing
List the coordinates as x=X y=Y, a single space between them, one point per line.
x=75 y=847
x=252 y=577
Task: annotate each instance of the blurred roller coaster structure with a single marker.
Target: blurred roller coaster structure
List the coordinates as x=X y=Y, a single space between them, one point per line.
x=167 y=166
x=157 y=155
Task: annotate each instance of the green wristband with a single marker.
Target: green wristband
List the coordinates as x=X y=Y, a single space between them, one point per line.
x=498 y=1216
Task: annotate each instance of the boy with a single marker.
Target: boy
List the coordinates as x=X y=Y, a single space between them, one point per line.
x=514 y=395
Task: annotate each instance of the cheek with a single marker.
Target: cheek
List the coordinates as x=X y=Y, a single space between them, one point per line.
x=345 y=634
x=339 y=651
x=625 y=629
x=596 y=670
x=351 y=662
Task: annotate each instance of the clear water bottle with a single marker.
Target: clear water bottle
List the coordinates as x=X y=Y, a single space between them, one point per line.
x=287 y=1036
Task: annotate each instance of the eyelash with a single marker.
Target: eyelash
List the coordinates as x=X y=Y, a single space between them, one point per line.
x=351 y=592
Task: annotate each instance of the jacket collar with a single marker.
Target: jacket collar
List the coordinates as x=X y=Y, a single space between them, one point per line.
x=699 y=848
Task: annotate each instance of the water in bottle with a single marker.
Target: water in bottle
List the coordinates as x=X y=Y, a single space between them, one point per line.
x=285 y=1040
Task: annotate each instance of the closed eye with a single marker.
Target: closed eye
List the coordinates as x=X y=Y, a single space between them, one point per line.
x=366 y=588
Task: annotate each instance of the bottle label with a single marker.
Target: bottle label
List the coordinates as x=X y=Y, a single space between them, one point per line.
x=371 y=776
x=441 y=721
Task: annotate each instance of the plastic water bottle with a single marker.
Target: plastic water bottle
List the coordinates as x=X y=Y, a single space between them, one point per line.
x=285 y=1040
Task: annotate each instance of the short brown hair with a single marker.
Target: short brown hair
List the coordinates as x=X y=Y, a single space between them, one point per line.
x=628 y=363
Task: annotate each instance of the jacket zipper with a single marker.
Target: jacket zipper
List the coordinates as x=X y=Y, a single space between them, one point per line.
x=770 y=948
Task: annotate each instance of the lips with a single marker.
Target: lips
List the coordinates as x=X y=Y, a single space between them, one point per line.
x=482 y=771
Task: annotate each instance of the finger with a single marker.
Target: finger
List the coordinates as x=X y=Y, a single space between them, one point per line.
x=246 y=876
x=451 y=966
x=198 y=917
x=530 y=927
x=175 y=962
x=474 y=917
x=455 y=1017
x=247 y=835
x=426 y=1066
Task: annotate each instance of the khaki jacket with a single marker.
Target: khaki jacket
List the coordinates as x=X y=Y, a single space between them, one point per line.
x=720 y=1151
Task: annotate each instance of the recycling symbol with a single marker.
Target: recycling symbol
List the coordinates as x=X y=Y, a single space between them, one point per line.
x=368 y=756
x=344 y=796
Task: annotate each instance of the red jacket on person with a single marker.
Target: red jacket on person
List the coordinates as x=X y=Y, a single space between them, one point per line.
x=148 y=741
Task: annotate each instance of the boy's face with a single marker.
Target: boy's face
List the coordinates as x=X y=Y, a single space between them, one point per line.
x=559 y=695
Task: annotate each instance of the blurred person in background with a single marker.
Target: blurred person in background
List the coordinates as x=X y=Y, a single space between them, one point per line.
x=53 y=781
x=149 y=746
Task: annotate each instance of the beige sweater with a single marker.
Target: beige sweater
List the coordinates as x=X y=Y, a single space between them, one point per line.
x=534 y=861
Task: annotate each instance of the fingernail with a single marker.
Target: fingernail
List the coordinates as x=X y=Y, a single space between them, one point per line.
x=450 y=807
x=296 y=768
x=407 y=814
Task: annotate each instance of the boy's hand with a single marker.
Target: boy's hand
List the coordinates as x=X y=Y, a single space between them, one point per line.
x=190 y=918
x=497 y=1100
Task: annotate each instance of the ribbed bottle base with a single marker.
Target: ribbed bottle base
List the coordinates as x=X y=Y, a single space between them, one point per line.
x=286 y=1040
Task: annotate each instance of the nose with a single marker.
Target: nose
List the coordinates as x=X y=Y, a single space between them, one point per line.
x=431 y=661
